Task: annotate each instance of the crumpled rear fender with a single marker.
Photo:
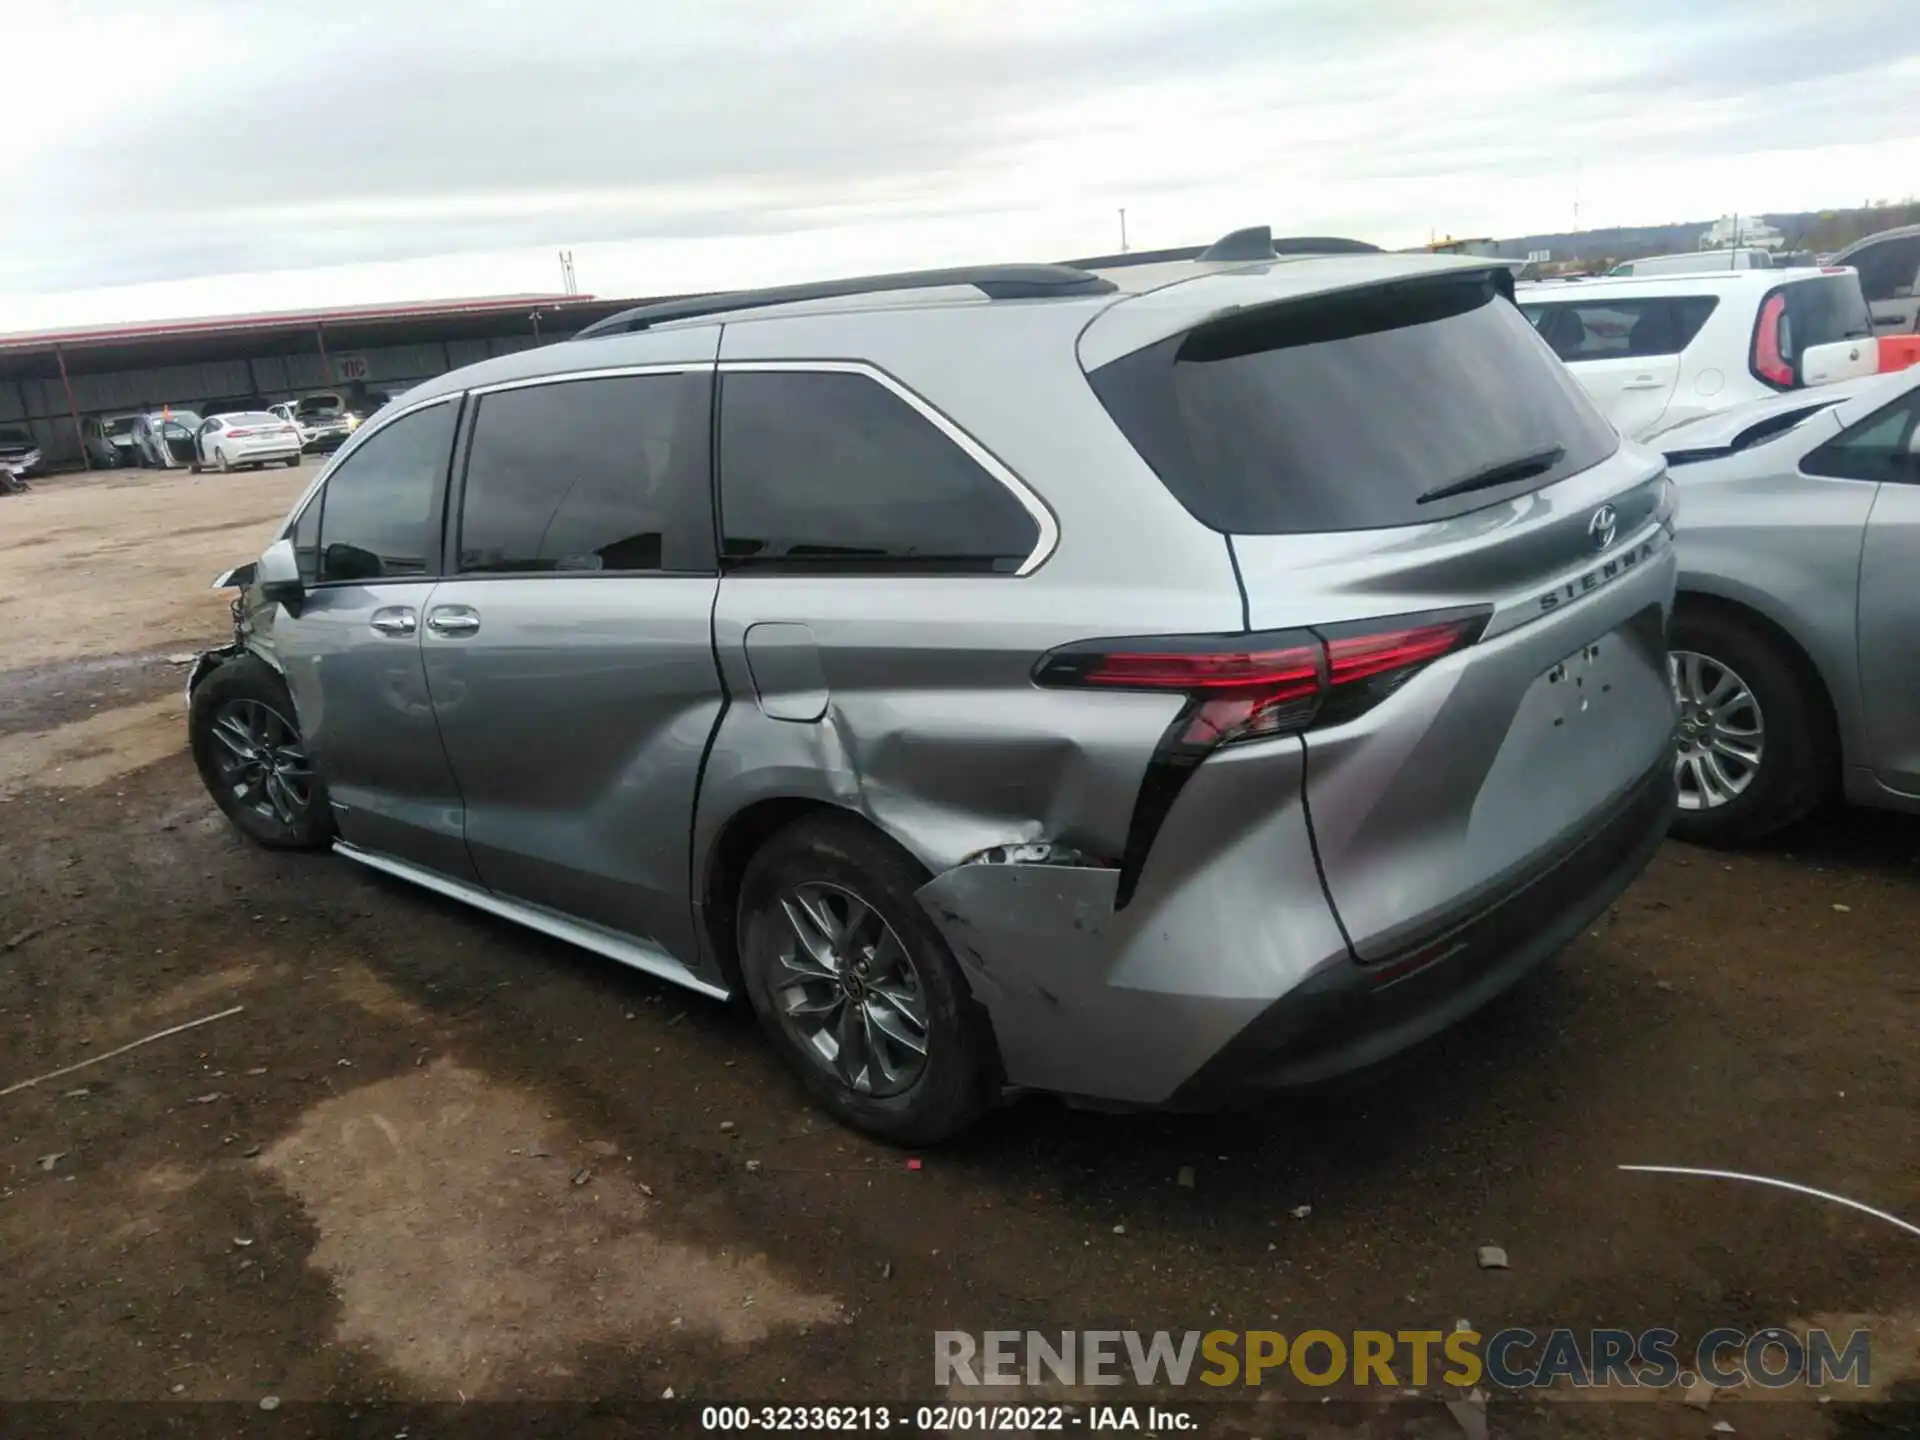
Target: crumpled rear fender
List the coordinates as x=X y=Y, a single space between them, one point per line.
x=1124 y=1004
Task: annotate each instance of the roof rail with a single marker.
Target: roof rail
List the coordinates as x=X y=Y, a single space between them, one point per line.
x=1257 y=242
x=996 y=282
x=1136 y=257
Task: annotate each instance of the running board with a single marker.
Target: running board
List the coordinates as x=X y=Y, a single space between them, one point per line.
x=615 y=946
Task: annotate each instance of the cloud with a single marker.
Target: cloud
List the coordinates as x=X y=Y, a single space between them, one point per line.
x=272 y=138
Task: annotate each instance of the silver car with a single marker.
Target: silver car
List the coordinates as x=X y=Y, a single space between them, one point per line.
x=1794 y=660
x=1014 y=678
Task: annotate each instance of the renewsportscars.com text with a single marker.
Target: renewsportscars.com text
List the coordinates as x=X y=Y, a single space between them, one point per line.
x=1513 y=1358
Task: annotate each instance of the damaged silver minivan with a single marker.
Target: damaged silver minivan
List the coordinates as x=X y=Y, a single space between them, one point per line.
x=1147 y=687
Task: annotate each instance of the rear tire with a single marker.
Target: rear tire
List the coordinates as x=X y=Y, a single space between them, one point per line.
x=1732 y=790
x=248 y=748
x=878 y=972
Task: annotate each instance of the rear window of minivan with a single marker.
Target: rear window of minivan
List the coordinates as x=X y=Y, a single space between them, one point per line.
x=1394 y=405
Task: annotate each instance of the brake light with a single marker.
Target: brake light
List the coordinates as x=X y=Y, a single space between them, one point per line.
x=1243 y=687
x=1769 y=360
x=1251 y=687
x=239 y=434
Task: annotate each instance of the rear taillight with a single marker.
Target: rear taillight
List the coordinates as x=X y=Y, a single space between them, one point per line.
x=238 y=434
x=1769 y=358
x=1245 y=687
x=1251 y=687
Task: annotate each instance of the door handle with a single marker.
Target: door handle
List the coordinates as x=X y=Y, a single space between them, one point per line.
x=394 y=620
x=453 y=620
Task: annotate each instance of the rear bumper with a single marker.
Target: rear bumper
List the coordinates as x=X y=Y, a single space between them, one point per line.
x=1351 y=1016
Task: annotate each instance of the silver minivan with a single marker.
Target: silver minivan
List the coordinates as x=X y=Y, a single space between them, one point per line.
x=1012 y=678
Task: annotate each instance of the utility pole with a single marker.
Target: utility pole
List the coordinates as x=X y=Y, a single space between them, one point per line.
x=1123 y=229
x=1576 y=196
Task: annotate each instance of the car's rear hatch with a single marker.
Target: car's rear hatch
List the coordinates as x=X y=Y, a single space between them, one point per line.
x=1404 y=471
x=1814 y=329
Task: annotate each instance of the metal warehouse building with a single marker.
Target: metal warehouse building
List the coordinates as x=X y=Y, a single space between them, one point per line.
x=53 y=380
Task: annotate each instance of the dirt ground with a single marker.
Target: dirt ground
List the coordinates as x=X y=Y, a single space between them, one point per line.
x=433 y=1157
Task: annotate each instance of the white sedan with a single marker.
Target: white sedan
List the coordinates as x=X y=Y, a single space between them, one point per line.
x=247 y=437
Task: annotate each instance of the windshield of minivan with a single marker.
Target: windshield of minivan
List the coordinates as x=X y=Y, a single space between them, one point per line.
x=1396 y=405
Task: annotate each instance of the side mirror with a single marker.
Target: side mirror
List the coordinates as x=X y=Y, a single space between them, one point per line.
x=278 y=575
x=1822 y=364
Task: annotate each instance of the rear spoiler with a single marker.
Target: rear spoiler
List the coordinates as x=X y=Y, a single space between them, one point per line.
x=1122 y=329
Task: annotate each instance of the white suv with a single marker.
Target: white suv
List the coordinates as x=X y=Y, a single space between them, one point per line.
x=1654 y=351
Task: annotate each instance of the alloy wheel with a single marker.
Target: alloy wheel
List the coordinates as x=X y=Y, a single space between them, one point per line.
x=260 y=758
x=845 y=988
x=1720 y=737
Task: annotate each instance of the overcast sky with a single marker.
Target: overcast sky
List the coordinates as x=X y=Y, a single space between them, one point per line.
x=227 y=155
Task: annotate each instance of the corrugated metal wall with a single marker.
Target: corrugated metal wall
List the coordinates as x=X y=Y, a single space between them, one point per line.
x=43 y=404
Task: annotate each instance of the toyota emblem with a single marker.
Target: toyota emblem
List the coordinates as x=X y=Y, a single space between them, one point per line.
x=1604 y=525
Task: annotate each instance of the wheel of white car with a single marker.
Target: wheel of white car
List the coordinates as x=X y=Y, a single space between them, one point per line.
x=856 y=988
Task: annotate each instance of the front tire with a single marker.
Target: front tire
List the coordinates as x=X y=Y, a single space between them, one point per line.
x=854 y=986
x=1750 y=756
x=248 y=748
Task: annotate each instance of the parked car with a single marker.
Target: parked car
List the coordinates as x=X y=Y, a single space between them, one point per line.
x=109 y=440
x=164 y=438
x=971 y=741
x=322 y=427
x=246 y=438
x=1889 y=266
x=1698 y=262
x=20 y=452
x=1655 y=352
x=1794 y=662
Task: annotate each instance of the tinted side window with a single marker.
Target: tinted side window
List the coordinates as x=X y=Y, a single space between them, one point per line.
x=1880 y=447
x=831 y=469
x=1622 y=329
x=590 y=475
x=1887 y=269
x=377 y=512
